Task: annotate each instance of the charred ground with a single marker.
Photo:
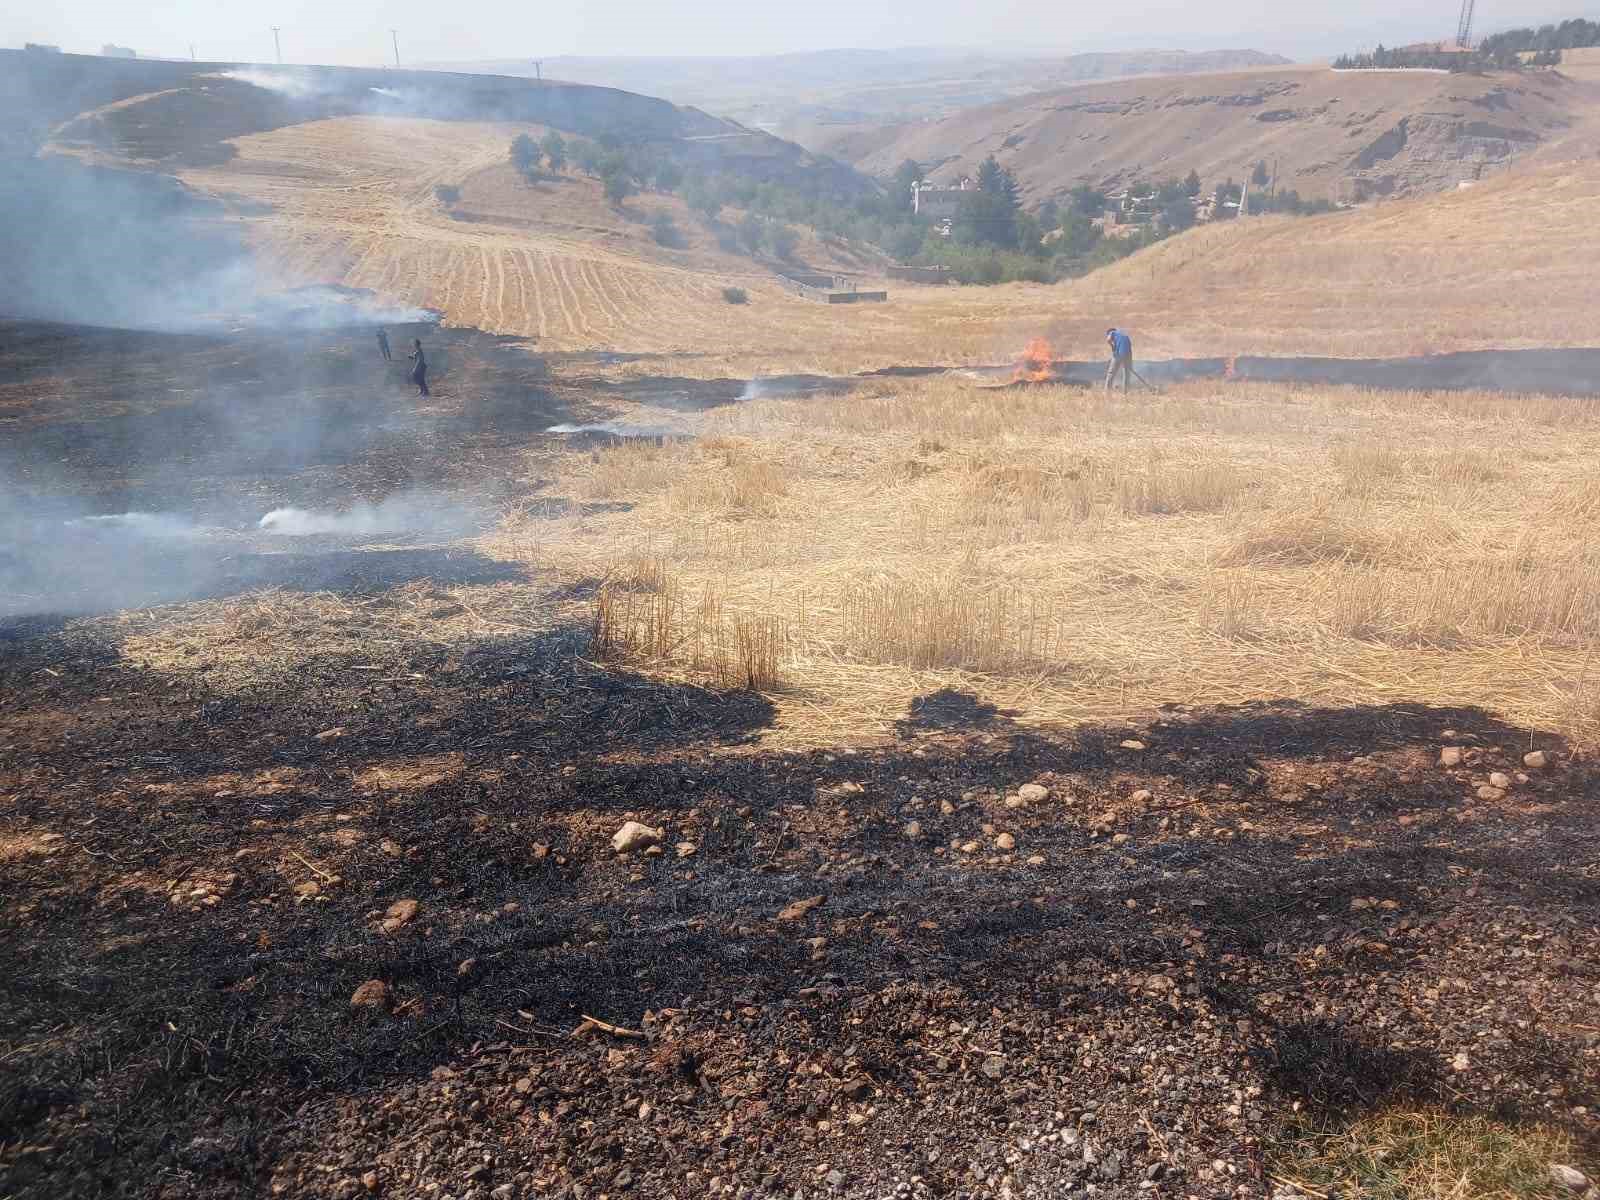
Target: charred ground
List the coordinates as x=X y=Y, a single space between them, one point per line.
x=856 y=972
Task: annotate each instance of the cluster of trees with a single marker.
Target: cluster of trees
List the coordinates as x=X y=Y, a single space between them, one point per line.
x=622 y=167
x=1546 y=41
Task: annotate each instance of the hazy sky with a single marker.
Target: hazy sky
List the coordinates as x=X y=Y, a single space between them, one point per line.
x=356 y=31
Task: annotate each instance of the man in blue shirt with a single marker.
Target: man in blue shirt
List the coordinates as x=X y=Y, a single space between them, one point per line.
x=1121 y=358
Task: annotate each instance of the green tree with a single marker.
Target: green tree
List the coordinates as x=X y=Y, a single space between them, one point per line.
x=1091 y=202
x=783 y=241
x=587 y=155
x=1260 y=177
x=906 y=244
x=751 y=231
x=1079 y=234
x=702 y=197
x=668 y=176
x=524 y=153
x=997 y=181
x=618 y=184
x=1192 y=185
x=986 y=219
x=555 y=150
x=906 y=174
x=1177 y=215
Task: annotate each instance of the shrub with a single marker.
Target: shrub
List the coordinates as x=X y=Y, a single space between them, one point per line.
x=783 y=240
x=618 y=186
x=735 y=295
x=665 y=232
x=555 y=150
x=524 y=153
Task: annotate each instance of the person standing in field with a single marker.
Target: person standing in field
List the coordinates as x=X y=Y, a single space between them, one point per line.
x=383 y=344
x=1121 y=358
x=419 y=368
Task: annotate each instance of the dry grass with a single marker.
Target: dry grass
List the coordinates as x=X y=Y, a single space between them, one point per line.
x=1073 y=557
x=1423 y=1154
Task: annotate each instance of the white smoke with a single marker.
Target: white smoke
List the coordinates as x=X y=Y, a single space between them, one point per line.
x=620 y=429
x=294 y=86
x=140 y=524
x=410 y=512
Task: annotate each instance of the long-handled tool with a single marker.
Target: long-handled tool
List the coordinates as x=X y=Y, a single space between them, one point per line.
x=1143 y=380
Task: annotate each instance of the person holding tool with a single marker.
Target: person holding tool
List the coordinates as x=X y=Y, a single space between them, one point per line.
x=1121 y=359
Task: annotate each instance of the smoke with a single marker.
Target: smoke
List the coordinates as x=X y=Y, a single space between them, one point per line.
x=621 y=429
x=424 y=513
x=291 y=84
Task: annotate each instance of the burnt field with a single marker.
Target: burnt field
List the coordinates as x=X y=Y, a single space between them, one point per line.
x=308 y=887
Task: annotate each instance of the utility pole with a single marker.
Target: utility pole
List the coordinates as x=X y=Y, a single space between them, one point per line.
x=538 y=68
x=394 y=35
x=277 y=45
x=191 y=51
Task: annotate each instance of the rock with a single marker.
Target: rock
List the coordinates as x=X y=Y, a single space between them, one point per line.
x=1490 y=792
x=369 y=1180
x=504 y=1192
x=466 y=967
x=540 y=851
x=390 y=847
x=1570 y=1178
x=634 y=836
x=686 y=849
x=1015 y=802
x=372 y=995
x=835 y=1179
x=947 y=808
x=1143 y=796
x=1121 y=839
x=1450 y=756
x=971 y=847
x=1110 y=1167
x=400 y=913
x=1036 y=860
x=800 y=908
x=1461 y=1062
x=328 y=735
x=913 y=829
x=1500 y=780
x=1033 y=793
x=1133 y=744
x=308 y=889
x=1536 y=760
x=994 y=1066
x=1005 y=842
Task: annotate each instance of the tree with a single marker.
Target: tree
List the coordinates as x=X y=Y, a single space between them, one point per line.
x=1079 y=234
x=1228 y=193
x=668 y=176
x=555 y=150
x=1177 y=214
x=997 y=181
x=703 y=198
x=1089 y=201
x=1049 y=214
x=617 y=183
x=783 y=241
x=906 y=174
x=986 y=219
x=1192 y=185
x=1260 y=177
x=587 y=155
x=751 y=231
x=906 y=244
x=524 y=154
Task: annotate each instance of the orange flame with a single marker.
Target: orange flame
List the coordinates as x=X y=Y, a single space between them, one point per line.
x=1230 y=369
x=1037 y=364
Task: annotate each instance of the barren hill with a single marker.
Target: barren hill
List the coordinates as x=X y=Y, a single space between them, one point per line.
x=807 y=95
x=1343 y=135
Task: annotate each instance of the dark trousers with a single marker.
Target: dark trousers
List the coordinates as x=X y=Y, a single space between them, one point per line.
x=1123 y=364
x=419 y=376
x=383 y=347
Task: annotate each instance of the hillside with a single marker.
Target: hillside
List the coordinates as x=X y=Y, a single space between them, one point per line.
x=1341 y=135
x=810 y=96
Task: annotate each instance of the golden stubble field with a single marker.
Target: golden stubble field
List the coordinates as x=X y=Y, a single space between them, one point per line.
x=1068 y=556
x=1505 y=264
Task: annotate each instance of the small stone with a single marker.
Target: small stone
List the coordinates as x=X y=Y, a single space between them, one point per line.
x=817 y=944
x=1015 y=802
x=1461 y=1062
x=1034 y=793
x=994 y=1066
x=540 y=851
x=1500 y=780
x=913 y=829
x=1121 y=839
x=653 y=851
x=1036 y=860
x=1537 y=760
x=399 y=914
x=686 y=849
x=1490 y=792
x=466 y=967
x=971 y=847
x=1143 y=796
x=1133 y=744
x=1450 y=756
x=947 y=808
x=369 y=1180
x=1570 y=1178
x=800 y=908
x=390 y=847
x=524 y=1085
x=328 y=735
x=634 y=836
x=308 y=889
x=373 y=994
x=504 y=1192
x=1005 y=842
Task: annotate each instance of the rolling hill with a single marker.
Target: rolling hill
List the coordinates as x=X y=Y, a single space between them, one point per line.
x=1340 y=135
x=810 y=96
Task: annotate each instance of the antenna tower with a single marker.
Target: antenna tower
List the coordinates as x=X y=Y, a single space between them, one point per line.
x=1464 y=30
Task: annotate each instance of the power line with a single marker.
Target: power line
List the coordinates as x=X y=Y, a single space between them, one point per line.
x=277 y=45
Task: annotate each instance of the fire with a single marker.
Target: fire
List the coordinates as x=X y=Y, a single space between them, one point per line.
x=1037 y=364
x=1230 y=369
